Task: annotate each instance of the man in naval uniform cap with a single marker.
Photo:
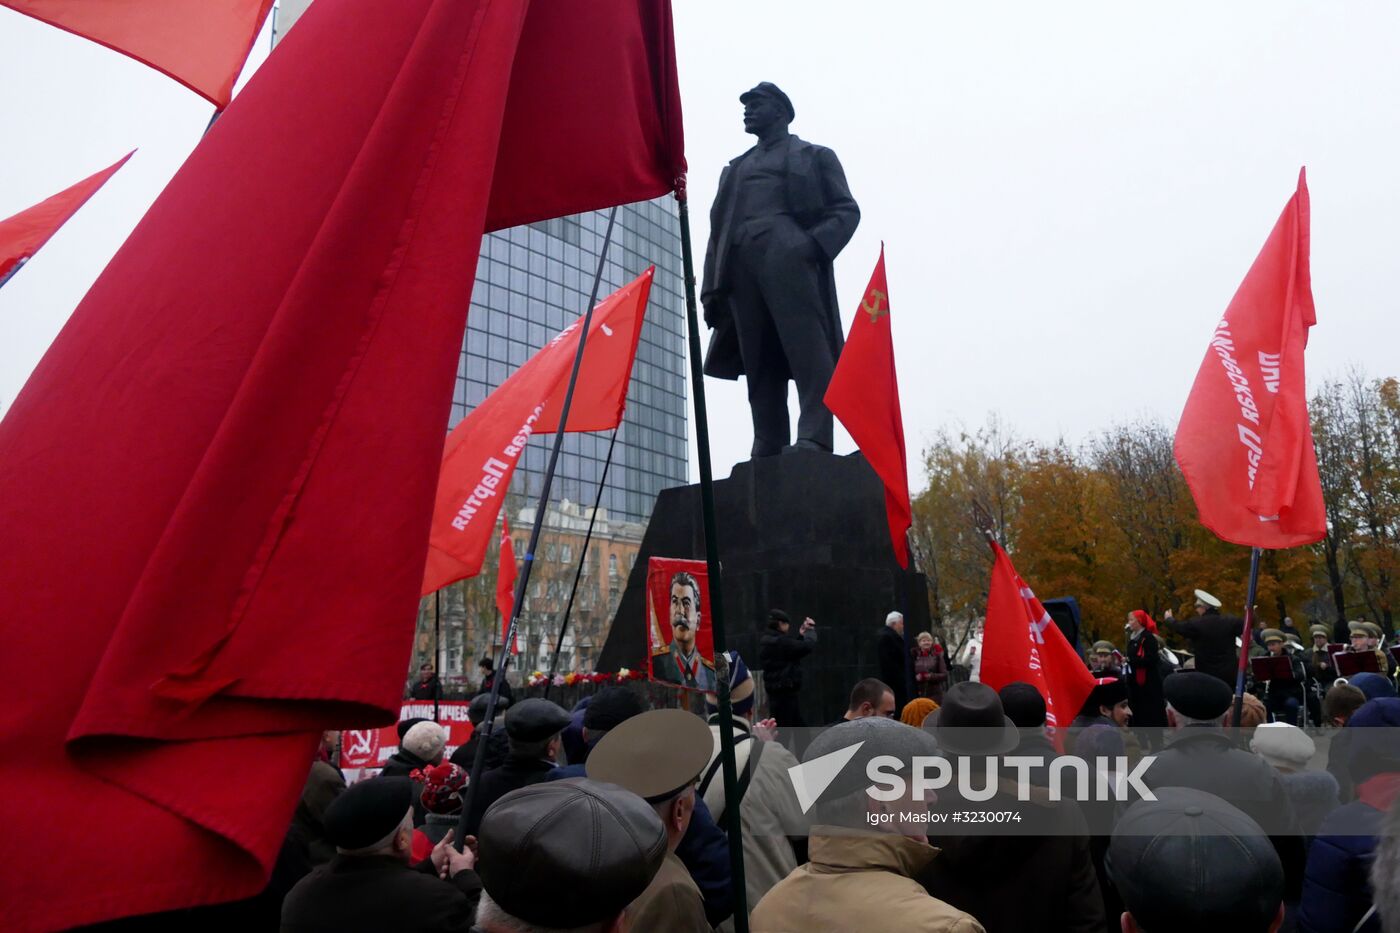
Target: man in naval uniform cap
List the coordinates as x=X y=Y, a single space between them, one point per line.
x=369 y=885
x=659 y=756
x=567 y=855
x=782 y=214
x=532 y=727
x=1212 y=637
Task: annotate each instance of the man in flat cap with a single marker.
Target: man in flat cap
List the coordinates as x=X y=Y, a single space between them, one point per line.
x=1201 y=754
x=1212 y=638
x=659 y=756
x=369 y=885
x=1157 y=854
x=782 y=214
x=567 y=855
x=532 y=727
x=865 y=854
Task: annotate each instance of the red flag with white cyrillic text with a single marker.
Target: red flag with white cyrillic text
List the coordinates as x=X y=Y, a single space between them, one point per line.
x=505 y=584
x=234 y=442
x=1021 y=642
x=202 y=45
x=1245 y=442
x=484 y=449
x=864 y=394
x=22 y=234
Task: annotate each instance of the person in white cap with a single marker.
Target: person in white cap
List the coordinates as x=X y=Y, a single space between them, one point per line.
x=1289 y=749
x=1212 y=637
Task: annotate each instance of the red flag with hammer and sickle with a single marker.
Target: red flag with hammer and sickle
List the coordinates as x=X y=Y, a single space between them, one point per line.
x=864 y=394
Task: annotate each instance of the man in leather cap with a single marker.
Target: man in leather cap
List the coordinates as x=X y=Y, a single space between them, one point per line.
x=782 y=214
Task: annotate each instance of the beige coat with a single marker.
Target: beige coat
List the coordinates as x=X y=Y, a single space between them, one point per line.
x=770 y=811
x=671 y=902
x=859 y=882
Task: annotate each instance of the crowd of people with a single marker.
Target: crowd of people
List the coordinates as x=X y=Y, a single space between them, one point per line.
x=611 y=816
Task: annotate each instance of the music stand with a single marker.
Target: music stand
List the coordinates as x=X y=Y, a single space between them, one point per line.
x=1271 y=668
x=1351 y=663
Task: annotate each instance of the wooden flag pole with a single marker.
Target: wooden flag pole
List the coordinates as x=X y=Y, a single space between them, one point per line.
x=733 y=824
x=478 y=763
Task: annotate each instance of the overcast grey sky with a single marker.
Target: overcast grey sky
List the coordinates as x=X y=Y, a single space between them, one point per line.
x=1069 y=193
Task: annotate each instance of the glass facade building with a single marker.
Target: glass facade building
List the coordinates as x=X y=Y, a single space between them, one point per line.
x=531 y=282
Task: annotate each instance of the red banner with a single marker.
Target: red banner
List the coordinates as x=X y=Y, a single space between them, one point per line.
x=681 y=643
x=202 y=45
x=370 y=748
x=484 y=449
x=864 y=394
x=22 y=234
x=1245 y=443
x=1020 y=642
x=277 y=342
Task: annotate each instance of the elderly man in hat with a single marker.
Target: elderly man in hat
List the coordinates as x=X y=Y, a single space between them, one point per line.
x=566 y=855
x=1057 y=890
x=532 y=726
x=1191 y=861
x=1201 y=754
x=703 y=849
x=659 y=756
x=1313 y=793
x=1212 y=637
x=866 y=853
x=369 y=884
x=774 y=828
x=782 y=214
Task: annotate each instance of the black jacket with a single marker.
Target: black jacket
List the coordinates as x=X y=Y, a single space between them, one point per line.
x=1204 y=758
x=889 y=648
x=780 y=656
x=1212 y=637
x=513 y=775
x=380 y=893
x=486 y=683
x=497 y=750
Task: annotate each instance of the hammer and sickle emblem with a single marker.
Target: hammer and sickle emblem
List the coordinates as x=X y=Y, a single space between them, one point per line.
x=879 y=308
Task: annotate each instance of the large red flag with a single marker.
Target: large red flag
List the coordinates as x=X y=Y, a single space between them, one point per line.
x=23 y=234
x=203 y=44
x=1245 y=442
x=230 y=452
x=505 y=584
x=864 y=394
x=1021 y=642
x=484 y=449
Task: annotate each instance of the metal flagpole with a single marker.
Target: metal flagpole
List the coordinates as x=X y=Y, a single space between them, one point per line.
x=523 y=581
x=733 y=824
x=437 y=655
x=1247 y=636
x=582 y=558
x=906 y=584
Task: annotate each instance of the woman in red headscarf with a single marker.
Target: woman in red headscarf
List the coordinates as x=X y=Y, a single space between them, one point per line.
x=1143 y=674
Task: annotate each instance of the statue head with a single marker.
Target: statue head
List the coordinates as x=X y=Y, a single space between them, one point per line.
x=766 y=108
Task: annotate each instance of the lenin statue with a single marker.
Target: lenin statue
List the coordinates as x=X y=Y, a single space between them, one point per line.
x=782 y=214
